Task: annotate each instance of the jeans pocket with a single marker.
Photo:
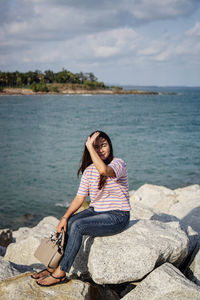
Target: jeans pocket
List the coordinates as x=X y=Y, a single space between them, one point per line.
x=120 y=212
x=121 y=216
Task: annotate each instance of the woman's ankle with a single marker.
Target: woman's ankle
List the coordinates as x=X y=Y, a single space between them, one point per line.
x=50 y=270
x=58 y=272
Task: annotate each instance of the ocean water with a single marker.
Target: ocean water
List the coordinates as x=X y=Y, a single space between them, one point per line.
x=42 y=139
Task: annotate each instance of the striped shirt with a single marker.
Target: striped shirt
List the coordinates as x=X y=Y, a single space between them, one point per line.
x=113 y=195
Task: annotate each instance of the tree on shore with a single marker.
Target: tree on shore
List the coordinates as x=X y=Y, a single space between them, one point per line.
x=39 y=81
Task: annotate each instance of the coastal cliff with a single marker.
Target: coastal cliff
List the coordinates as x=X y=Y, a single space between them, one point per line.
x=156 y=257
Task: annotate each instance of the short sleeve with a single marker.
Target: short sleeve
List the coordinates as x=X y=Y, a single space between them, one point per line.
x=84 y=186
x=119 y=167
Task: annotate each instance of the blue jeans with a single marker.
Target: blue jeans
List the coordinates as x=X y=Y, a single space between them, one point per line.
x=92 y=223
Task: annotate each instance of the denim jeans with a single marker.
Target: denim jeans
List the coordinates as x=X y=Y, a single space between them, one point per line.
x=92 y=223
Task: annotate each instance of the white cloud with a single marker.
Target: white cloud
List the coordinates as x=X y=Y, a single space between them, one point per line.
x=195 y=31
x=113 y=42
x=43 y=34
x=156 y=9
x=164 y=55
x=154 y=48
x=46 y=19
x=17 y=28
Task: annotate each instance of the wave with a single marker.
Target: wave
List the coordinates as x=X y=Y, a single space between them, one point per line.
x=60 y=204
x=168 y=93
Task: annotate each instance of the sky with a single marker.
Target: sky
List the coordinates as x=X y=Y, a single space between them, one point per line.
x=125 y=42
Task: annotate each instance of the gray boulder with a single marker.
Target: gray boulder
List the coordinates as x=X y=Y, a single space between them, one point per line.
x=2 y=251
x=183 y=204
x=157 y=198
x=132 y=254
x=8 y=269
x=24 y=287
x=27 y=240
x=5 y=237
x=165 y=283
x=141 y=211
x=187 y=206
x=196 y=268
x=193 y=270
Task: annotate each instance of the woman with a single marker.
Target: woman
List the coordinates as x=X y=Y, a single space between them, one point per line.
x=105 y=180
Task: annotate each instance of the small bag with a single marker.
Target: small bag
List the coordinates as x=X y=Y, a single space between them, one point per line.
x=51 y=250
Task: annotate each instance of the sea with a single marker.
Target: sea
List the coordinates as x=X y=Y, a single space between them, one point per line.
x=42 y=139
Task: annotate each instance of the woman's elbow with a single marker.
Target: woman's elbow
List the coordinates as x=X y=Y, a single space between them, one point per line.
x=103 y=171
x=107 y=171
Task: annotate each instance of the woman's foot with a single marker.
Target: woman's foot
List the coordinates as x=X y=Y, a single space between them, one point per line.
x=58 y=276
x=52 y=280
x=41 y=274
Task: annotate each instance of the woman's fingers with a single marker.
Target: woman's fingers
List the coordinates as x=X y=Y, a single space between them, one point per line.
x=61 y=224
x=92 y=139
x=95 y=135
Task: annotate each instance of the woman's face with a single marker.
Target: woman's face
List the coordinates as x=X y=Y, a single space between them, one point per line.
x=102 y=148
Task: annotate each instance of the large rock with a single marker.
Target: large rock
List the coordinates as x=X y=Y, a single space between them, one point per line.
x=8 y=269
x=183 y=203
x=193 y=271
x=44 y=228
x=187 y=206
x=5 y=237
x=158 y=198
x=196 y=268
x=141 y=211
x=132 y=254
x=27 y=240
x=24 y=287
x=23 y=251
x=2 y=251
x=165 y=283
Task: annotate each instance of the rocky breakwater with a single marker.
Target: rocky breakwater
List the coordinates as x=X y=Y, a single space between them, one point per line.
x=156 y=257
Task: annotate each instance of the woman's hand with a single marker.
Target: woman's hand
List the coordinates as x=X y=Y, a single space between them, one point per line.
x=74 y=206
x=61 y=224
x=92 y=139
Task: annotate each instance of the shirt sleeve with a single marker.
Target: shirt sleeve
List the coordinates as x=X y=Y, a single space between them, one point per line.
x=83 y=189
x=119 y=167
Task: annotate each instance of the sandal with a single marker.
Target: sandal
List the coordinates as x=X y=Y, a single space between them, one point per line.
x=58 y=282
x=39 y=273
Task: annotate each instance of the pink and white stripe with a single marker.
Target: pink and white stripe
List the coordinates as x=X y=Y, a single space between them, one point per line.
x=113 y=195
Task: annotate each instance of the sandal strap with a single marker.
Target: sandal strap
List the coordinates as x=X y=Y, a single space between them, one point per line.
x=60 y=278
x=45 y=270
x=38 y=273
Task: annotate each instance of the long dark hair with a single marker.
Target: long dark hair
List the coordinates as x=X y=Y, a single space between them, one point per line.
x=86 y=158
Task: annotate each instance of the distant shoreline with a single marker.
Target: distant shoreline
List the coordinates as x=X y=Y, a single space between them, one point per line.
x=70 y=91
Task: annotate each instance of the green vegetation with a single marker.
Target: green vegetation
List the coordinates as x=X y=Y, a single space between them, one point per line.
x=49 y=81
x=117 y=88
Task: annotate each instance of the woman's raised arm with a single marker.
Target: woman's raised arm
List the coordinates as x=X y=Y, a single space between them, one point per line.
x=102 y=168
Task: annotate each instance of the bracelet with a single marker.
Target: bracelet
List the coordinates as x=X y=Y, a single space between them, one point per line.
x=64 y=218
